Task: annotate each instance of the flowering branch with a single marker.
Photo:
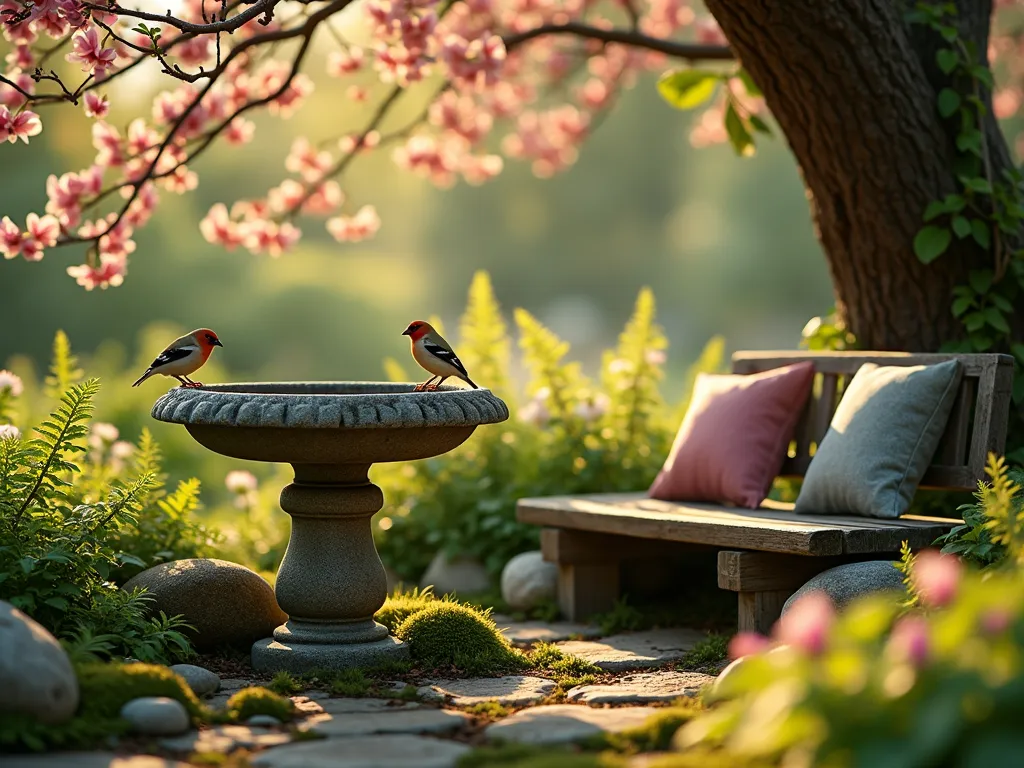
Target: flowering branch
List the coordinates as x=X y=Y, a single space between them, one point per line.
x=630 y=37
x=264 y=8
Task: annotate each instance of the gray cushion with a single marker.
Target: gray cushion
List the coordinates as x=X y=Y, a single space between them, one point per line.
x=881 y=440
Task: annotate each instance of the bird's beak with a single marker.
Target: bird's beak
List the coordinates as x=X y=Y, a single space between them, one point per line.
x=406 y=332
x=217 y=343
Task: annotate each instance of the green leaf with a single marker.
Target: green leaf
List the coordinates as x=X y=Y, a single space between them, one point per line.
x=961 y=305
x=970 y=141
x=996 y=320
x=760 y=125
x=935 y=209
x=980 y=231
x=980 y=280
x=1001 y=301
x=949 y=34
x=688 y=88
x=947 y=59
x=739 y=136
x=974 y=322
x=930 y=243
x=978 y=184
x=1018 y=351
x=949 y=102
x=961 y=227
x=57 y=602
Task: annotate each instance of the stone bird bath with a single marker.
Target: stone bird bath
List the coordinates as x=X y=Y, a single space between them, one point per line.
x=331 y=581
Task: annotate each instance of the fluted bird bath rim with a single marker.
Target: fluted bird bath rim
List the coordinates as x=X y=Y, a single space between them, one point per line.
x=331 y=581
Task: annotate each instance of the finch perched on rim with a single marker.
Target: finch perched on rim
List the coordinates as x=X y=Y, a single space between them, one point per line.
x=184 y=356
x=434 y=355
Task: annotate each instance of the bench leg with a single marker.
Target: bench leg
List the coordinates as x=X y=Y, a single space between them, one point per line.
x=760 y=610
x=584 y=590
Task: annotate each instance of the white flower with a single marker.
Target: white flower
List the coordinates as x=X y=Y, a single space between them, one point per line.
x=122 y=449
x=620 y=365
x=239 y=481
x=593 y=408
x=542 y=394
x=103 y=434
x=535 y=412
x=655 y=357
x=10 y=382
x=9 y=432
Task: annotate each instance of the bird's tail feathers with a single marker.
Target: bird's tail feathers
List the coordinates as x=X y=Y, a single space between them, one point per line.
x=143 y=377
x=470 y=382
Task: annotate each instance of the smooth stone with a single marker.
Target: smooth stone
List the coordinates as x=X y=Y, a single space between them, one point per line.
x=156 y=716
x=847 y=582
x=36 y=676
x=306 y=706
x=356 y=706
x=460 y=575
x=270 y=655
x=225 y=738
x=530 y=632
x=527 y=580
x=643 y=688
x=433 y=721
x=635 y=650
x=227 y=603
x=565 y=723
x=89 y=760
x=202 y=681
x=397 y=751
x=513 y=690
x=263 y=721
x=235 y=684
x=219 y=700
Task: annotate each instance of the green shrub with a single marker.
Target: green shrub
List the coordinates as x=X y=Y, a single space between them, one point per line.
x=401 y=604
x=569 y=435
x=259 y=701
x=449 y=634
x=709 y=651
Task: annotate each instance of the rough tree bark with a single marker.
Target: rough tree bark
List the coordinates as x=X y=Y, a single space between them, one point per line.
x=854 y=89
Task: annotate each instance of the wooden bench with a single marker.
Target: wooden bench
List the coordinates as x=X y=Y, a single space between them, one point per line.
x=768 y=553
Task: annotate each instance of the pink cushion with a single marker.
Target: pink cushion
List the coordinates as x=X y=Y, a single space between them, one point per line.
x=733 y=439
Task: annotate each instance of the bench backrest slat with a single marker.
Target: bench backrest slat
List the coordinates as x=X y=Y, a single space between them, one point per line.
x=977 y=424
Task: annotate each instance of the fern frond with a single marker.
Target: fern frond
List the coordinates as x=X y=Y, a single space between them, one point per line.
x=543 y=351
x=484 y=344
x=64 y=370
x=58 y=433
x=184 y=501
x=905 y=565
x=124 y=503
x=1003 y=508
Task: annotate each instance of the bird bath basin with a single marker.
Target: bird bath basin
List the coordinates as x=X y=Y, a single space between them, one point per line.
x=331 y=581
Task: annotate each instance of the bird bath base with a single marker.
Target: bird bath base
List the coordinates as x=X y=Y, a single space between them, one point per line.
x=331 y=581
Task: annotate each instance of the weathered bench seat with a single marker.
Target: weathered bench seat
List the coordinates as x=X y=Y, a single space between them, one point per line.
x=766 y=554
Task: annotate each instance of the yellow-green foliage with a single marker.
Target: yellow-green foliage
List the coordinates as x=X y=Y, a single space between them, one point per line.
x=350 y=682
x=524 y=756
x=542 y=354
x=483 y=338
x=449 y=634
x=491 y=709
x=259 y=701
x=64 y=370
x=401 y=604
x=285 y=684
x=568 y=670
x=654 y=735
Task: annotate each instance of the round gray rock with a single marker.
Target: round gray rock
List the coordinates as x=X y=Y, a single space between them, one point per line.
x=460 y=575
x=156 y=716
x=36 y=676
x=847 y=582
x=263 y=721
x=527 y=581
x=226 y=603
x=202 y=681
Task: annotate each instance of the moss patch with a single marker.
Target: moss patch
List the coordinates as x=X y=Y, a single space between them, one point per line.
x=654 y=735
x=350 y=682
x=449 y=634
x=567 y=670
x=259 y=701
x=285 y=684
x=522 y=756
x=488 y=709
x=707 y=653
x=400 y=605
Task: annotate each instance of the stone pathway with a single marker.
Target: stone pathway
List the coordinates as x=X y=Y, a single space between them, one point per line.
x=644 y=688
x=529 y=632
x=514 y=691
x=635 y=650
x=365 y=752
x=565 y=723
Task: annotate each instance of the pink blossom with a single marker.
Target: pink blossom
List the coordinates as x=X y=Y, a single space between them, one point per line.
x=352 y=229
x=265 y=236
x=474 y=63
x=325 y=198
x=198 y=50
x=96 y=105
x=10 y=238
x=936 y=577
x=107 y=140
x=9 y=432
x=461 y=115
x=218 y=228
x=709 y=33
x=90 y=53
x=351 y=143
x=356 y=94
x=910 y=640
x=43 y=229
x=807 y=623
x=109 y=272
x=19 y=126
x=477 y=169
x=20 y=33
x=142 y=207
x=430 y=157
x=21 y=58
x=307 y=161
x=11 y=384
x=748 y=644
x=239 y=131
x=995 y=621
x=341 y=63
x=240 y=481
x=12 y=97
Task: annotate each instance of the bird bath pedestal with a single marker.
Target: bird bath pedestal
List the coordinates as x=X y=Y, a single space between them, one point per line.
x=331 y=581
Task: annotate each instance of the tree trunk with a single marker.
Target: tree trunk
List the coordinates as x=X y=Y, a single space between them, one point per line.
x=854 y=89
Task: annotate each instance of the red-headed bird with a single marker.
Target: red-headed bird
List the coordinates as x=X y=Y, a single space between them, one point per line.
x=184 y=356
x=435 y=355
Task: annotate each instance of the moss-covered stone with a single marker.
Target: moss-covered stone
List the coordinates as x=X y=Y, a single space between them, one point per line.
x=654 y=735
x=450 y=634
x=259 y=701
x=400 y=605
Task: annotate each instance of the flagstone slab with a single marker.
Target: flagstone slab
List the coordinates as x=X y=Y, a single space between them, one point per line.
x=414 y=721
x=642 y=688
x=635 y=650
x=565 y=723
x=392 y=751
x=514 y=690
x=226 y=738
x=530 y=632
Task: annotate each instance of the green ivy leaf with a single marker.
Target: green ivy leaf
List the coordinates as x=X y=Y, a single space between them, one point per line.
x=980 y=280
x=1018 y=352
x=949 y=102
x=760 y=125
x=930 y=243
x=980 y=231
x=947 y=59
x=977 y=184
x=1001 y=301
x=995 y=319
x=974 y=322
x=961 y=227
x=961 y=305
x=949 y=34
x=688 y=88
x=739 y=136
x=934 y=210
x=955 y=203
x=970 y=141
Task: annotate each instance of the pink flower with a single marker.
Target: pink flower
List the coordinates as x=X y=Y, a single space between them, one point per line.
x=474 y=63
x=9 y=432
x=995 y=621
x=10 y=238
x=352 y=229
x=305 y=160
x=12 y=97
x=109 y=272
x=95 y=105
x=239 y=131
x=341 y=63
x=10 y=383
x=748 y=644
x=43 y=229
x=21 y=58
x=807 y=623
x=90 y=53
x=909 y=640
x=20 y=126
x=240 y=481
x=936 y=577
x=265 y=236
x=107 y=140
x=218 y=228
